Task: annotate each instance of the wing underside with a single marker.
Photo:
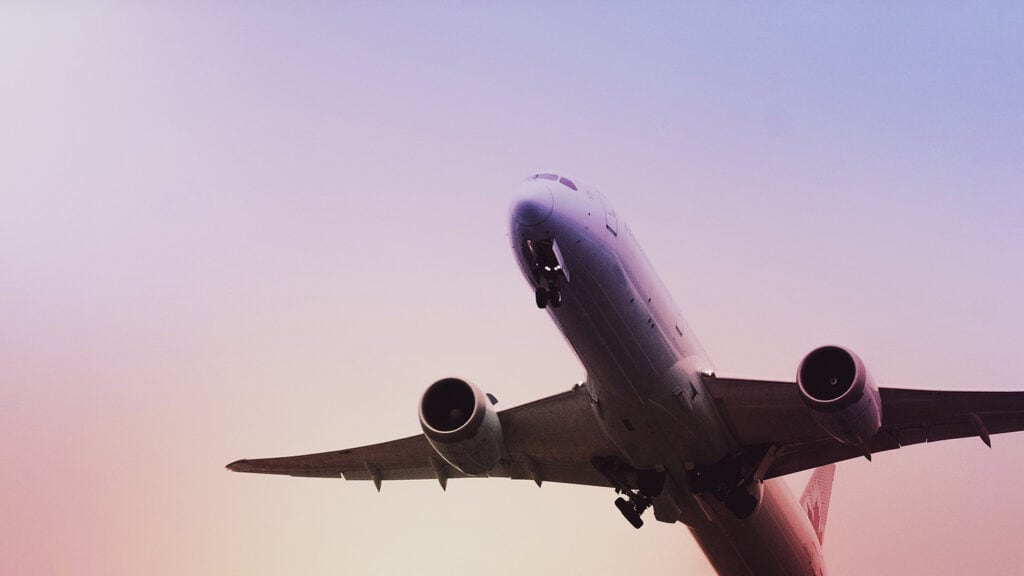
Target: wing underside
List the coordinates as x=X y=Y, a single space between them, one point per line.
x=556 y=439
x=553 y=439
x=771 y=413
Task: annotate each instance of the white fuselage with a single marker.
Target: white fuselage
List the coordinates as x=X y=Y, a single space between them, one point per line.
x=644 y=368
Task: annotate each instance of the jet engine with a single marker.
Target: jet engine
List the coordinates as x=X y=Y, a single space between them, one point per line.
x=461 y=424
x=841 y=394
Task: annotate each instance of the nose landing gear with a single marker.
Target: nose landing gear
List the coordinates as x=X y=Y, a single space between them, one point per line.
x=546 y=262
x=548 y=296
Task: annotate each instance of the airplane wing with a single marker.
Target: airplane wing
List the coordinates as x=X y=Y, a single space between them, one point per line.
x=765 y=413
x=553 y=439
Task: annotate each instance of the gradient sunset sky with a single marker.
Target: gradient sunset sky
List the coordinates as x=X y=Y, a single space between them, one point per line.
x=262 y=229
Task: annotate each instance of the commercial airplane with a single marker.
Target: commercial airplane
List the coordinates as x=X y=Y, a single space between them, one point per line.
x=653 y=421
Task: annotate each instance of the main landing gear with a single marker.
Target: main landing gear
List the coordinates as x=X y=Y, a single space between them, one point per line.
x=639 y=487
x=634 y=507
x=742 y=500
x=548 y=296
x=736 y=480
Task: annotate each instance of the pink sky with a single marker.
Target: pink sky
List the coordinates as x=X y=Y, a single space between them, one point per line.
x=244 y=232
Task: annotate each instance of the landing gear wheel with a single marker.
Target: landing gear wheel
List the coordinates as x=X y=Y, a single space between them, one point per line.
x=542 y=297
x=556 y=298
x=629 y=511
x=634 y=507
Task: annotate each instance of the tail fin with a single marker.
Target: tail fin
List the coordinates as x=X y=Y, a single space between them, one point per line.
x=816 y=496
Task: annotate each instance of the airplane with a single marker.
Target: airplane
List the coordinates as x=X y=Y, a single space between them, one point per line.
x=652 y=420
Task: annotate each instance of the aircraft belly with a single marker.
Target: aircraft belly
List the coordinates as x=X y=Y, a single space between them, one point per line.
x=643 y=370
x=777 y=540
x=617 y=369
x=617 y=338
x=647 y=390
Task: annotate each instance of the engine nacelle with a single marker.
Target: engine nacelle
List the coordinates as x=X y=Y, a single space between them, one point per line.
x=462 y=426
x=841 y=394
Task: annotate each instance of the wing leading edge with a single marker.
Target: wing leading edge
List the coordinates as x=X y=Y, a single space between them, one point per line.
x=762 y=412
x=553 y=439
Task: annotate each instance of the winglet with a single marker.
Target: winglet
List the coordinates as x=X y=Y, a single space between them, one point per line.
x=816 y=498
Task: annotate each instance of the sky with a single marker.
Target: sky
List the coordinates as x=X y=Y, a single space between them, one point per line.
x=261 y=229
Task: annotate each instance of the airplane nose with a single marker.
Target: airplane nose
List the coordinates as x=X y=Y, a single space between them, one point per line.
x=533 y=203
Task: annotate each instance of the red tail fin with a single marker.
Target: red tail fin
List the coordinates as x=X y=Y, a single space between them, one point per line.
x=816 y=496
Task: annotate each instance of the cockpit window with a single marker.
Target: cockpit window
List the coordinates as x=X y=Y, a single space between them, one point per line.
x=560 y=179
